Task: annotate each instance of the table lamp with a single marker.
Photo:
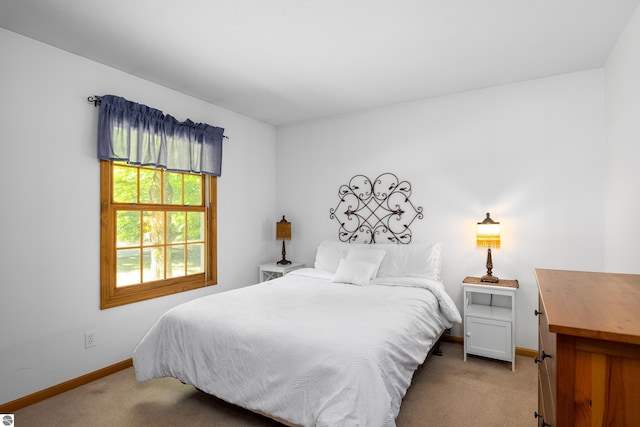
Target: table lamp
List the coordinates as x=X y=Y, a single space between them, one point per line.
x=283 y=232
x=488 y=236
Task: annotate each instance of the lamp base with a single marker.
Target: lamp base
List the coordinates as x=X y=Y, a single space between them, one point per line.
x=489 y=278
x=284 y=260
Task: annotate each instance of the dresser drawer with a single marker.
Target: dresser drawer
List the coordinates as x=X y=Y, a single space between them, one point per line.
x=546 y=402
x=546 y=362
x=547 y=345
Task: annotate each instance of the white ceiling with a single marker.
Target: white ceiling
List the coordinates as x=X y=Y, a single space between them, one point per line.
x=282 y=61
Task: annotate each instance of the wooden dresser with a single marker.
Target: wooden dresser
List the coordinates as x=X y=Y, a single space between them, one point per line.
x=589 y=341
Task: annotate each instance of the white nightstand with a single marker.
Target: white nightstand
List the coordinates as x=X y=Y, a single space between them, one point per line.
x=273 y=271
x=490 y=319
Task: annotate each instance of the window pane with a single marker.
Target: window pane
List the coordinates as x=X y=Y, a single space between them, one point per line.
x=172 y=188
x=125 y=184
x=195 y=224
x=153 y=261
x=176 y=261
x=195 y=258
x=128 y=267
x=149 y=248
x=153 y=227
x=127 y=228
x=150 y=188
x=176 y=227
x=193 y=190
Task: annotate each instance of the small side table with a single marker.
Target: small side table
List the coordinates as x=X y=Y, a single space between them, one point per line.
x=489 y=330
x=273 y=270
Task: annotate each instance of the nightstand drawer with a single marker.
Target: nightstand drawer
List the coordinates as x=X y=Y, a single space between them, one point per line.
x=488 y=337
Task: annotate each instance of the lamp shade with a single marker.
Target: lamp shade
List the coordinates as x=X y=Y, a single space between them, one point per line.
x=488 y=233
x=283 y=229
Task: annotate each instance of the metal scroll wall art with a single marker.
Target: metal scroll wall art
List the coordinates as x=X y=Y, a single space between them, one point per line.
x=373 y=211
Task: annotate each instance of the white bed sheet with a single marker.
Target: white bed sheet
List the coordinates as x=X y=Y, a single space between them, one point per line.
x=301 y=348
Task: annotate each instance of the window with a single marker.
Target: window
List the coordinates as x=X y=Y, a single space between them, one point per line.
x=158 y=232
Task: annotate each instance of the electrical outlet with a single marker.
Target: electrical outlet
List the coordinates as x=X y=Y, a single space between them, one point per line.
x=89 y=339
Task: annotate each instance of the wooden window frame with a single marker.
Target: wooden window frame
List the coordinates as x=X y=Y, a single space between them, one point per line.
x=112 y=296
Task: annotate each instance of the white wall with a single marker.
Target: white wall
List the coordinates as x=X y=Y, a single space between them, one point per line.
x=622 y=200
x=529 y=153
x=49 y=266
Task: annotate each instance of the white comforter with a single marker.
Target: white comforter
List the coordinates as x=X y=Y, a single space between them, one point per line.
x=301 y=348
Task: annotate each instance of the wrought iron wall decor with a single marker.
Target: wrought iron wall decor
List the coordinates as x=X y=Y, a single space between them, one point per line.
x=371 y=211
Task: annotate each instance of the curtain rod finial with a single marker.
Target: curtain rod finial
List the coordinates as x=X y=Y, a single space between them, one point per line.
x=95 y=100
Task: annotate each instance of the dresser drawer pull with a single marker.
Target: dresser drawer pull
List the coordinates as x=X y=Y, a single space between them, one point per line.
x=536 y=312
x=542 y=421
x=544 y=356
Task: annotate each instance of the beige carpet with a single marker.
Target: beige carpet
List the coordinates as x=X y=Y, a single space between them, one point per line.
x=445 y=391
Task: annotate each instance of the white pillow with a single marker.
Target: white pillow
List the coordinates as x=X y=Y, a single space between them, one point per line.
x=354 y=272
x=415 y=259
x=367 y=254
x=329 y=254
x=419 y=259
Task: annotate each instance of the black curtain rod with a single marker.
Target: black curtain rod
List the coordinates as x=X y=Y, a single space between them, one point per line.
x=96 y=101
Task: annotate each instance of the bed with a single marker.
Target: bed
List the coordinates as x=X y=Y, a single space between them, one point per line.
x=332 y=345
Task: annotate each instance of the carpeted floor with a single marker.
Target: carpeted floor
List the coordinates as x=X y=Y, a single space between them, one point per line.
x=445 y=391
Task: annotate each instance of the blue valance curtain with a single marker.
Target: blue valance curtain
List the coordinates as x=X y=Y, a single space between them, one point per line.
x=141 y=135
